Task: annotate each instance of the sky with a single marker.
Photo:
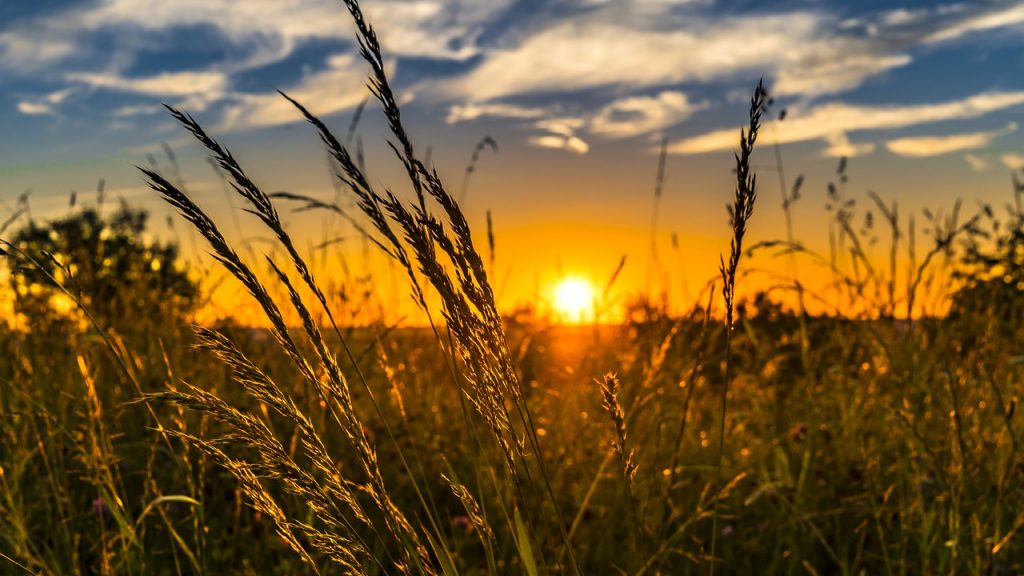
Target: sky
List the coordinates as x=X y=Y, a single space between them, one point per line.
x=924 y=98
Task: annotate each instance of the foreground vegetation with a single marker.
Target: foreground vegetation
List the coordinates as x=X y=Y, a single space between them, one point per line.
x=757 y=440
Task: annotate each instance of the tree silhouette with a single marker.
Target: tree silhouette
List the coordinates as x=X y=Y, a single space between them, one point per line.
x=106 y=262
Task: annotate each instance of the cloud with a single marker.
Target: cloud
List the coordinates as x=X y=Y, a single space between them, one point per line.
x=837 y=68
x=26 y=50
x=622 y=118
x=34 y=108
x=587 y=53
x=137 y=110
x=249 y=35
x=473 y=111
x=1013 y=160
x=264 y=31
x=808 y=52
x=991 y=19
x=561 y=135
x=45 y=105
x=921 y=146
x=642 y=114
x=828 y=121
x=557 y=141
x=839 y=146
x=339 y=87
x=633 y=58
x=903 y=16
x=566 y=126
x=977 y=164
x=208 y=84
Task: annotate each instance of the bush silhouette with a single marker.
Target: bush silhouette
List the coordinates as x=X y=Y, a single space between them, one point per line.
x=107 y=263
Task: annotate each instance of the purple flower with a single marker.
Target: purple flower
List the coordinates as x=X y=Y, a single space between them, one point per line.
x=100 y=506
x=463 y=523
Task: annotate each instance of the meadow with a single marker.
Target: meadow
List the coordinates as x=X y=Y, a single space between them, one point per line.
x=746 y=436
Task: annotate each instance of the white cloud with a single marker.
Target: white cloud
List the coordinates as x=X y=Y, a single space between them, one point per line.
x=838 y=67
x=921 y=146
x=34 y=108
x=136 y=110
x=633 y=47
x=557 y=141
x=589 y=53
x=340 y=86
x=566 y=126
x=255 y=33
x=27 y=50
x=473 y=110
x=806 y=51
x=903 y=16
x=642 y=114
x=46 y=104
x=1002 y=17
x=1013 y=160
x=622 y=118
x=828 y=121
x=977 y=163
x=209 y=85
x=561 y=134
x=839 y=146
x=267 y=31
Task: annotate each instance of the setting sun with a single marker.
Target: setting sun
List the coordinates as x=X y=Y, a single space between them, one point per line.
x=574 y=299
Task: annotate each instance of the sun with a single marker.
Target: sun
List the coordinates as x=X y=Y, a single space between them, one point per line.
x=574 y=299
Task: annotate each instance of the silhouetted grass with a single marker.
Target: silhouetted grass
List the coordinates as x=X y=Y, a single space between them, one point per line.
x=858 y=442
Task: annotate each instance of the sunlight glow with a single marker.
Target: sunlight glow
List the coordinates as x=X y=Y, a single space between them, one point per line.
x=574 y=300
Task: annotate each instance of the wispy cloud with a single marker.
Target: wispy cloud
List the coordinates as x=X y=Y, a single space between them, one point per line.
x=27 y=50
x=921 y=146
x=250 y=35
x=339 y=87
x=45 y=105
x=598 y=51
x=34 y=108
x=839 y=146
x=561 y=134
x=643 y=114
x=570 y=143
x=808 y=53
x=207 y=84
x=273 y=28
x=473 y=111
x=976 y=163
x=830 y=121
x=636 y=61
x=989 y=18
x=1012 y=160
x=621 y=118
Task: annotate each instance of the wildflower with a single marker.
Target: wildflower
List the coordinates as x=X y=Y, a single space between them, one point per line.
x=463 y=522
x=798 y=431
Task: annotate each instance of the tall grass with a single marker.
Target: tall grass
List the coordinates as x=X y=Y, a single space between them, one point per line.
x=740 y=213
x=425 y=246
x=487 y=444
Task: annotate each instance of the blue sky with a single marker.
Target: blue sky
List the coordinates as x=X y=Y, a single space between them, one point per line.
x=858 y=77
x=925 y=97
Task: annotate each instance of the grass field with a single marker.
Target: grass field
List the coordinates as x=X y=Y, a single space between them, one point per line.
x=743 y=437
